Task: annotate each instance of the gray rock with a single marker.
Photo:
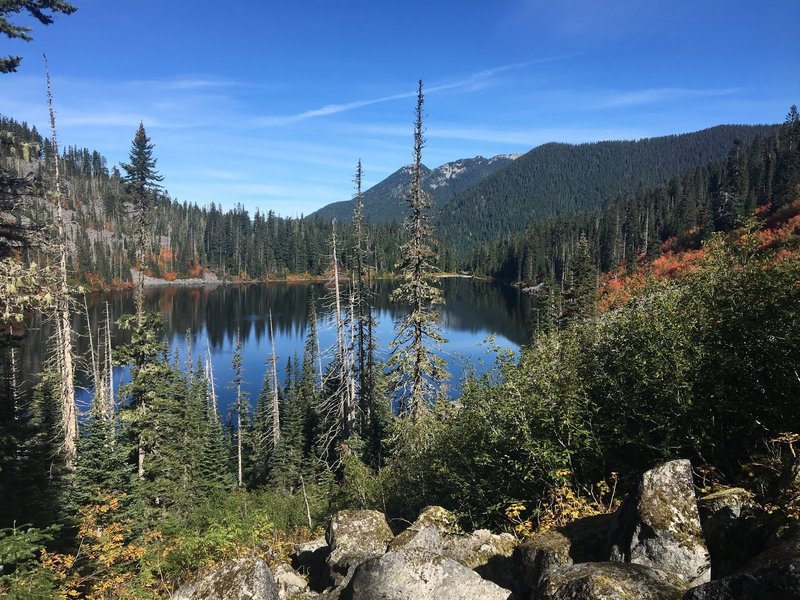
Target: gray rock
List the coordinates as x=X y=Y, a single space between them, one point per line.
x=488 y=554
x=772 y=575
x=658 y=525
x=241 y=579
x=583 y=540
x=735 y=530
x=437 y=517
x=416 y=574
x=610 y=581
x=355 y=536
x=427 y=538
x=290 y=583
x=539 y=556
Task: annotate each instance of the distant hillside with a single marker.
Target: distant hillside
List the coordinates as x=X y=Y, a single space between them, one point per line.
x=560 y=179
x=384 y=201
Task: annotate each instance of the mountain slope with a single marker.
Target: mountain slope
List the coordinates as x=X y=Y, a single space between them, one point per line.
x=559 y=179
x=384 y=201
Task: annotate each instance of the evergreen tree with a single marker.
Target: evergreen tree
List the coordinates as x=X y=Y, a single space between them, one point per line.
x=103 y=473
x=241 y=410
x=582 y=294
x=363 y=311
x=142 y=185
x=417 y=372
x=42 y=10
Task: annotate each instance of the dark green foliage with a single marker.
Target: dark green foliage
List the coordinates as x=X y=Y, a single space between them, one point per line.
x=535 y=186
x=213 y=473
x=32 y=476
x=141 y=185
x=104 y=470
x=678 y=212
x=289 y=462
x=41 y=10
x=702 y=367
x=581 y=295
x=21 y=577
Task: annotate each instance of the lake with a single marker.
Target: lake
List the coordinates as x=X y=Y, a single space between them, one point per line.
x=211 y=317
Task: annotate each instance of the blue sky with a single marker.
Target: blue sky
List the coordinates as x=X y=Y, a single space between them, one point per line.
x=270 y=104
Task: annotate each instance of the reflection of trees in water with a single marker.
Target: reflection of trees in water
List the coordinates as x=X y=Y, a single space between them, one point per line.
x=475 y=306
x=471 y=306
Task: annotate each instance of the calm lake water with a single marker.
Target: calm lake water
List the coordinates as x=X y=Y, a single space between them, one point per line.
x=474 y=310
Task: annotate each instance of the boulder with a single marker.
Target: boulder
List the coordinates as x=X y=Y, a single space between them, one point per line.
x=240 y=579
x=772 y=575
x=539 y=556
x=582 y=540
x=487 y=553
x=733 y=528
x=610 y=581
x=290 y=583
x=440 y=518
x=416 y=574
x=658 y=525
x=355 y=536
x=427 y=538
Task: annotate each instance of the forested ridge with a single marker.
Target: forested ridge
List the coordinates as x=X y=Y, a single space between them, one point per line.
x=666 y=325
x=186 y=239
x=561 y=179
x=678 y=212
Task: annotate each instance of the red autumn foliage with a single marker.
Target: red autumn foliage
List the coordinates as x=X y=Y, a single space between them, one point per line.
x=194 y=269
x=672 y=264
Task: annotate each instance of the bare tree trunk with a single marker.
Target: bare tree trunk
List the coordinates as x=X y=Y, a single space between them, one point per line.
x=346 y=409
x=276 y=415
x=69 y=412
x=239 y=470
x=98 y=379
x=212 y=392
x=109 y=365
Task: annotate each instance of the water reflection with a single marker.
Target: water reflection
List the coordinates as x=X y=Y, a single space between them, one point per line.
x=213 y=316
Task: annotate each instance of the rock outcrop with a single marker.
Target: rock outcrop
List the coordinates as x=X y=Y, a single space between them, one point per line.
x=355 y=536
x=241 y=579
x=658 y=525
x=416 y=574
x=652 y=548
x=581 y=541
x=486 y=553
x=437 y=517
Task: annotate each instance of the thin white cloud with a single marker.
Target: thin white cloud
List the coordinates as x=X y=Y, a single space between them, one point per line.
x=473 y=82
x=111 y=119
x=523 y=137
x=660 y=95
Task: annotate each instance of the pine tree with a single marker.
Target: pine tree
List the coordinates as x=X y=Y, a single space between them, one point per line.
x=363 y=321
x=241 y=409
x=142 y=185
x=417 y=372
x=41 y=10
x=582 y=293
